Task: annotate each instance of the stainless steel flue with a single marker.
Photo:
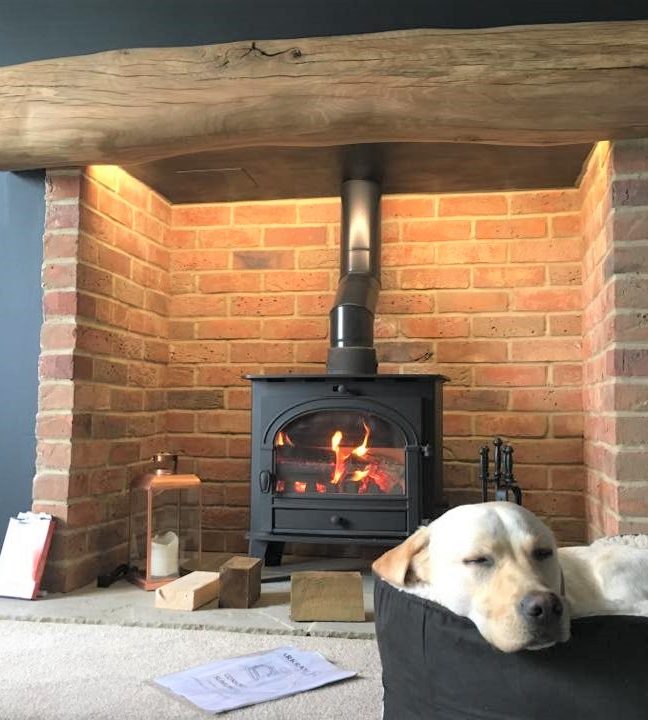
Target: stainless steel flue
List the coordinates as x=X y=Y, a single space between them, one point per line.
x=352 y=317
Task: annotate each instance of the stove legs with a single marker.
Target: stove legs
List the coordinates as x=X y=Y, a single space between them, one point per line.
x=269 y=552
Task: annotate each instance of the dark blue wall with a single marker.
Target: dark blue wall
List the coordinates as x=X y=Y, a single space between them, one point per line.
x=33 y=29
x=22 y=217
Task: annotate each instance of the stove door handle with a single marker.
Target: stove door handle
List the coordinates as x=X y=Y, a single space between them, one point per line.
x=337 y=520
x=265 y=481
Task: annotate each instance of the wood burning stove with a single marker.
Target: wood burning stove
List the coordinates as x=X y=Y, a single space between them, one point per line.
x=343 y=459
x=351 y=456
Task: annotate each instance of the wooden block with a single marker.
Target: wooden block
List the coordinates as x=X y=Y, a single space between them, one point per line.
x=188 y=592
x=240 y=582
x=326 y=596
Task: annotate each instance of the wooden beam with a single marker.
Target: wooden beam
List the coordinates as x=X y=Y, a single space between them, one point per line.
x=536 y=85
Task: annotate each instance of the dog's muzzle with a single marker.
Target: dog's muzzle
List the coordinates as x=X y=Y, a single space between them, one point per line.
x=542 y=612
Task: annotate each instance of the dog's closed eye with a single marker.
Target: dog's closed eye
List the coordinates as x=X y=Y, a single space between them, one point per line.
x=483 y=560
x=542 y=553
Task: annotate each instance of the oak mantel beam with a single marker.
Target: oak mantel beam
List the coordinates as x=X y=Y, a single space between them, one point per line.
x=534 y=85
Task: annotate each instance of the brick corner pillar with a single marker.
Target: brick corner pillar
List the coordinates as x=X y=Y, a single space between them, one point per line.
x=54 y=488
x=615 y=227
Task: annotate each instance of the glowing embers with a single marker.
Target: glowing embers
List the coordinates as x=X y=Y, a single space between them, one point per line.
x=337 y=452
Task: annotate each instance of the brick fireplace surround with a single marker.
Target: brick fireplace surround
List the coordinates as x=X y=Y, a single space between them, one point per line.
x=535 y=304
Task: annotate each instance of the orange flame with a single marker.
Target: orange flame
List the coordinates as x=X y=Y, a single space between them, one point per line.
x=283 y=439
x=300 y=487
x=361 y=450
x=340 y=458
x=360 y=475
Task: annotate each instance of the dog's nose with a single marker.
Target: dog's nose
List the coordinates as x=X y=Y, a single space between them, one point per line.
x=541 y=607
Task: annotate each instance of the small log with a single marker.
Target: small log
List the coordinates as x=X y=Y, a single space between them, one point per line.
x=326 y=596
x=240 y=582
x=188 y=592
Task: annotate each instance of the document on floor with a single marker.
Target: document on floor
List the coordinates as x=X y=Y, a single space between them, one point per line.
x=250 y=679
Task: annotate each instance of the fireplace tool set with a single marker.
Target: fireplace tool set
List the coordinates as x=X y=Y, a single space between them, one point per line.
x=505 y=486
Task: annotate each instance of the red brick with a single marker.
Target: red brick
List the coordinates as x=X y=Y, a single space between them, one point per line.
x=225 y=375
x=508 y=326
x=59 y=275
x=398 y=207
x=238 y=447
x=318 y=259
x=55 y=367
x=197 y=305
x=513 y=425
x=53 y=455
x=433 y=278
x=229 y=237
x=510 y=375
x=567 y=425
x=57 y=303
x=295 y=329
x=199 y=445
x=630 y=224
x=199 y=260
x=62 y=216
x=99 y=227
x=180 y=238
x=552 y=250
x=148 y=226
x=296 y=281
x=198 y=352
x=224 y=421
x=113 y=206
x=313 y=353
x=555 y=504
x=399 y=255
x=436 y=230
x=471 y=351
x=462 y=253
x=94 y=280
x=548 y=299
x=566 y=226
x=252 y=305
x=567 y=374
x=226 y=328
x=509 y=229
x=554 y=349
x=238 y=398
x=319 y=212
x=226 y=517
x=295 y=236
x=539 y=202
x=472 y=301
x=565 y=274
x=265 y=214
x=568 y=478
x=263 y=259
x=632 y=191
x=192 y=215
x=403 y=303
x=60 y=245
x=565 y=324
x=58 y=335
x=470 y=204
x=455 y=424
x=435 y=327
x=62 y=186
x=262 y=352
x=315 y=304
x=546 y=399
x=508 y=276
x=226 y=282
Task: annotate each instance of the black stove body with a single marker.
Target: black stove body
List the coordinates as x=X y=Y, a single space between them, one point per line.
x=343 y=459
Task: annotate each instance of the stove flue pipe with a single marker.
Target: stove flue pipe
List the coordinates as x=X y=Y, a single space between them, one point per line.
x=352 y=317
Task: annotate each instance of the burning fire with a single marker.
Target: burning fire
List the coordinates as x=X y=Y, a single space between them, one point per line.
x=368 y=470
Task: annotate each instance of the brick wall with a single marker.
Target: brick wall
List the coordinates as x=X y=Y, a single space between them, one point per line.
x=615 y=227
x=103 y=362
x=485 y=289
x=154 y=314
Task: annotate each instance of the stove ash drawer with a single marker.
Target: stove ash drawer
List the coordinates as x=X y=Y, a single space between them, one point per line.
x=343 y=521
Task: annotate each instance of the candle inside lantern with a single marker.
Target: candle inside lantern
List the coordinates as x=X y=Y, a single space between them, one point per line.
x=164 y=555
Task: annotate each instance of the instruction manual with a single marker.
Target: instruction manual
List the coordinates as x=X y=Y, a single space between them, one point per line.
x=250 y=679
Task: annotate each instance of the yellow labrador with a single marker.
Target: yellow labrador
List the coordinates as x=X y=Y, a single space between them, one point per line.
x=498 y=565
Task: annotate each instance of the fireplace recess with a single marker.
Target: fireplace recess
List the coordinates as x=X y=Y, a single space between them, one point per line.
x=343 y=459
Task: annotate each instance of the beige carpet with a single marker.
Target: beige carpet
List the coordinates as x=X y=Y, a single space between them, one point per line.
x=53 y=671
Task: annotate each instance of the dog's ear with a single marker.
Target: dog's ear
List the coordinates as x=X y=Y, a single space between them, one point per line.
x=405 y=564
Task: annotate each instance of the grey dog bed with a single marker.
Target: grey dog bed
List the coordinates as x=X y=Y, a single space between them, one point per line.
x=436 y=665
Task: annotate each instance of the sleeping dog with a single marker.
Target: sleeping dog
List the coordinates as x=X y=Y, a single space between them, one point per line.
x=498 y=565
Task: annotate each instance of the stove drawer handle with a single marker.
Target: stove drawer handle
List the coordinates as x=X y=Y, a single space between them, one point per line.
x=337 y=520
x=265 y=481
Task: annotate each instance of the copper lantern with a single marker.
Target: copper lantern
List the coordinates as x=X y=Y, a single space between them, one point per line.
x=165 y=524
